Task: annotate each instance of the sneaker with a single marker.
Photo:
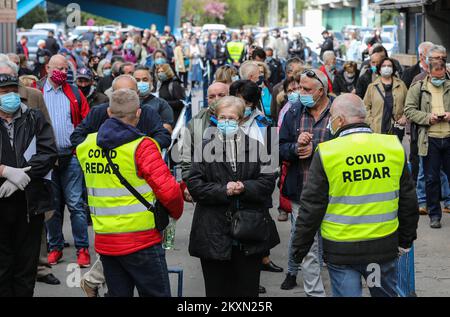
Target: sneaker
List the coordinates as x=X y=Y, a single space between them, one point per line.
x=435 y=224
x=283 y=216
x=290 y=282
x=83 y=258
x=423 y=211
x=54 y=256
x=89 y=290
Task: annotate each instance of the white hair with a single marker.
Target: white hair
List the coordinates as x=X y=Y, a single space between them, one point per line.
x=322 y=82
x=248 y=68
x=40 y=42
x=438 y=49
x=351 y=107
x=424 y=46
x=10 y=65
x=4 y=58
x=328 y=56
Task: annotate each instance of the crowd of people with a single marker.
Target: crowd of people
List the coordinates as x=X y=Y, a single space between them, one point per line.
x=104 y=98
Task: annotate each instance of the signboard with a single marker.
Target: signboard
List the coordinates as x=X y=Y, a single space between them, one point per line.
x=8 y=11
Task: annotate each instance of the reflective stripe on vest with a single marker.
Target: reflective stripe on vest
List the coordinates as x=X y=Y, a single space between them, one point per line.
x=114 y=209
x=235 y=50
x=363 y=172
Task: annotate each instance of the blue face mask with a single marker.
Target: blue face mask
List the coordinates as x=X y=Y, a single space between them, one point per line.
x=129 y=46
x=160 y=61
x=248 y=112
x=107 y=72
x=162 y=77
x=228 y=127
x=294 y=97
x=78 y=50
x=235 y=78
x=437 y=82
x=307 y=101
x=10 y=102
x=373 y=69
x=143 y=87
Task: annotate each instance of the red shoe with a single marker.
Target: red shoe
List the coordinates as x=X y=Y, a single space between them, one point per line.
x=54 y=256
x=84 y=259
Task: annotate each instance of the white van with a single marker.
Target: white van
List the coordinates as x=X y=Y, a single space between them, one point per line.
x=47 y=27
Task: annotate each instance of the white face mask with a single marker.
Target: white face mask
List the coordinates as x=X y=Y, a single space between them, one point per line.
x=386 y=71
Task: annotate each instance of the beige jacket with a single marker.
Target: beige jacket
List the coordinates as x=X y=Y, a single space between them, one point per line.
x=375 y=103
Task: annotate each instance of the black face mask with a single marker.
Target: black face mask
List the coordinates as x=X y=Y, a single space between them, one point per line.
x=85 y=90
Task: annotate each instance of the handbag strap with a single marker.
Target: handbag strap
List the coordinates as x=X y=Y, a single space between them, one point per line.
x=150 y=207
x=384 y=99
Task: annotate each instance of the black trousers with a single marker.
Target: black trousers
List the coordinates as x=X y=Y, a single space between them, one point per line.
x=238 y=277
x=20 y=243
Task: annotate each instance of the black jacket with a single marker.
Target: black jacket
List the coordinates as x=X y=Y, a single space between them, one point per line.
x=276 y=72
x=210 y=233
x=52 y=45
x=313 y=206
x=340 y=85
x=149 y=124
x=363 y=83
x=105 y=83
x=173 y=92
x=161 y=107
x=38 y=193
x=327 y=45
x=409 y=74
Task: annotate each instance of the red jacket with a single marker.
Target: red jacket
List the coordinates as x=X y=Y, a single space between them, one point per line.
x=154 y=170
x=78 y=112
x=330 y=83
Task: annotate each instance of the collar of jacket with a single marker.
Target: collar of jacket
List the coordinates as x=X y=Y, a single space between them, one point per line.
x=395 y=83
x=114 y=133
x=351 y=126
x=427 y=81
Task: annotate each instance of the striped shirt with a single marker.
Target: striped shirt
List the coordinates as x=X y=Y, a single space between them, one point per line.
x=58 y=106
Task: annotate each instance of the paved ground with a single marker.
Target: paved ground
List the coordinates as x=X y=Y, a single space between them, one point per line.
x=432 y=263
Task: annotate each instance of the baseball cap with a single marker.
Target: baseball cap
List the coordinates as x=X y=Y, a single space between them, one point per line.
x=8 y=80
x=84 y=73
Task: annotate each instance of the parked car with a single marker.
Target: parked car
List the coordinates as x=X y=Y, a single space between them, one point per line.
x=386 y=40
x=80 y=30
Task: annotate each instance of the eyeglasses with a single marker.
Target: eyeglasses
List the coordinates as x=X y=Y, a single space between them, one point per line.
x=5 y=78
x=311 y=74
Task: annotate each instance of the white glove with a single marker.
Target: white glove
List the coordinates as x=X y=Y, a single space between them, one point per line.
x=17 y=176
x=402 y=251
x=7 y=189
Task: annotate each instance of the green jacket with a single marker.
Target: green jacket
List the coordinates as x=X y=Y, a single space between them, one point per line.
x=421 y=114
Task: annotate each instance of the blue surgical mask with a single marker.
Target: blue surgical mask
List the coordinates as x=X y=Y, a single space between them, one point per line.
x=248 y=112
x=143 y=87
x=78 y=50
x=107 y=72
x=374 y=69
x=129 y=46
x=160 y=61
x=162 y=77
x=228 y=127
x=437 y=82
x=307 y=100
x=294 y=97
x=235 y=78
x=10 y=102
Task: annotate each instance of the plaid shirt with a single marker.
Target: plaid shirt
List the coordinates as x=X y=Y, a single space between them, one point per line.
x=320 y=133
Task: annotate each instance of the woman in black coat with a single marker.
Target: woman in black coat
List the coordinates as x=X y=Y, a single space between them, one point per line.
x=170 y=89
x=231 y=179
x=345 y=81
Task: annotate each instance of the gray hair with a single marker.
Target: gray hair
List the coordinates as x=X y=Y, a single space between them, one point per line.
x=124 y=103
x=3 y=57
x=121 y=77
x=232 y=101
x=328 y=55
x=424 y=46
x=247 y=68
x=351 y=107
x=436 y=49
x=323 y=79
x=10 y=65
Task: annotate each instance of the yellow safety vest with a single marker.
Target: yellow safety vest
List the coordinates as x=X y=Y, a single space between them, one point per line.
x=363 y=171
x=235 y=50
x=114 y=209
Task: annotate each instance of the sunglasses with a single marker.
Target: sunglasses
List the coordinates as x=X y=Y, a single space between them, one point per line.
x=5 y=78
x=311 y=74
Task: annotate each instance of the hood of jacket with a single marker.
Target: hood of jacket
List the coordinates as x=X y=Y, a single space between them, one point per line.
x=114 y=133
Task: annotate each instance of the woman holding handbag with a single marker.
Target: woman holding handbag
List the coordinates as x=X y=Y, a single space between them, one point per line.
x=385 y=101
x=231 y=227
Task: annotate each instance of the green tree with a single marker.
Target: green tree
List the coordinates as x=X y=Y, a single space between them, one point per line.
x=37 y=15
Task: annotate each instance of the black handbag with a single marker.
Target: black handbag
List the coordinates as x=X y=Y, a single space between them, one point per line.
x=159 y=211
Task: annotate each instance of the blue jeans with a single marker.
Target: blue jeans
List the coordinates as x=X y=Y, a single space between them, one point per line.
x=145 y=269
x=438 y=156
x=381 y=279
x=421 y=194
x=68 y=188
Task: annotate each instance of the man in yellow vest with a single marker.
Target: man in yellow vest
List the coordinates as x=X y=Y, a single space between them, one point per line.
x=361 y=195
x=125 y=233
x=235 y=51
